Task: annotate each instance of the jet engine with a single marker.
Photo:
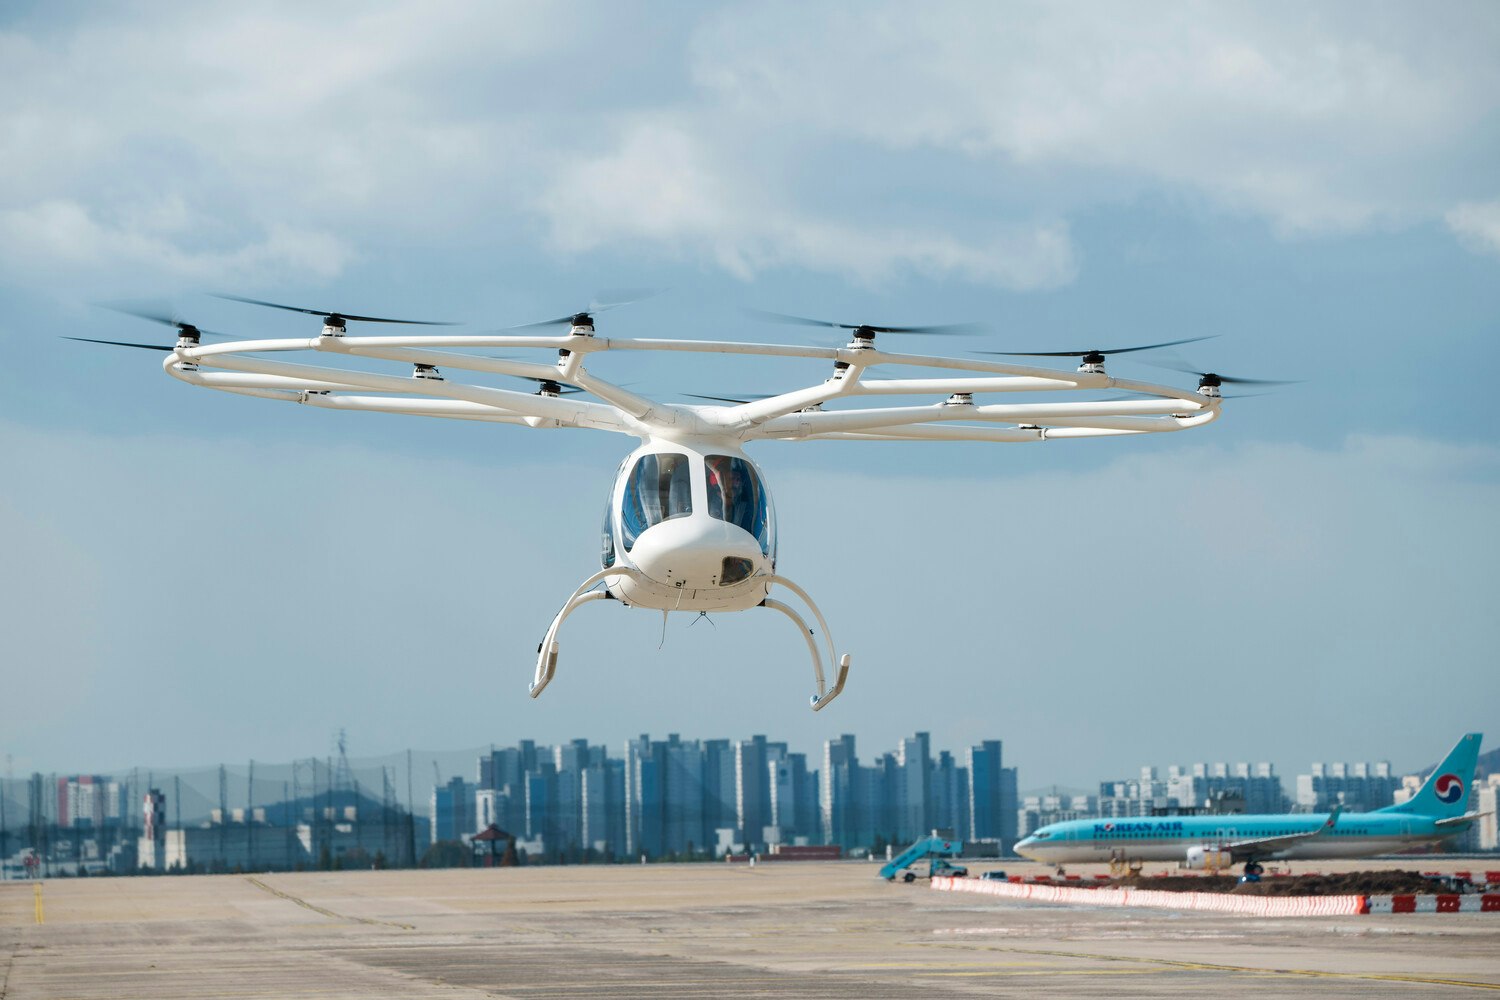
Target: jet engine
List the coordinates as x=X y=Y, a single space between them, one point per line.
x=1200 y=858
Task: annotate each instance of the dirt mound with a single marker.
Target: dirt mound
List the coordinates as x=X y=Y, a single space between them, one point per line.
x=1379 y=883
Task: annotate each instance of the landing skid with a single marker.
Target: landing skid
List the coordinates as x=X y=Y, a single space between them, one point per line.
x=546 y=661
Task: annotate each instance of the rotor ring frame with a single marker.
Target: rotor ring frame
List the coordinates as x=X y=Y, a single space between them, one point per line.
x=794 y=415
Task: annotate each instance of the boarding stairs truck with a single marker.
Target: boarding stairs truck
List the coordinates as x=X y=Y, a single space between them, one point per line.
x=934 y=849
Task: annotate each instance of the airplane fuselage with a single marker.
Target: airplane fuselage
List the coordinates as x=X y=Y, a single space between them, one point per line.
x=1169 y=838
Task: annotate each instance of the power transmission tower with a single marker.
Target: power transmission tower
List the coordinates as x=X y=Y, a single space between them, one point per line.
x=387 y=797
x=296 y=792
x=344 y=780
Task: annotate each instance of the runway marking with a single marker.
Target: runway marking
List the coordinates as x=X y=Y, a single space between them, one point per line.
x=1390 y=977
x=327 y=913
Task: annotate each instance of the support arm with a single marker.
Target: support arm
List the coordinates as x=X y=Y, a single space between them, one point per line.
x=823 y=697
x=546 y=659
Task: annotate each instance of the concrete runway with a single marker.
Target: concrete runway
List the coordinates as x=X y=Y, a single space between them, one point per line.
x=670 y=931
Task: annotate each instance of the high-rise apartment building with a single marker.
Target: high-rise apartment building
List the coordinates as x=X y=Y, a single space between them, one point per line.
x=752 y=778
x=992 y=796
x=453 y=810
x=912 y=788
x=842 y=794
x=1361 y=786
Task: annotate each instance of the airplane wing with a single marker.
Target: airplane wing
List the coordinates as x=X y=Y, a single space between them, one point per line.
x=1463 y=820
x=1244 y=850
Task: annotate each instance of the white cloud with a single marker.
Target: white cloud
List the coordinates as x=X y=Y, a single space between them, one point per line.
x=870 y=142
x=1477 y=224
x=1317 y=118
x=216 y=145
x=41 y=239
x=663 y=185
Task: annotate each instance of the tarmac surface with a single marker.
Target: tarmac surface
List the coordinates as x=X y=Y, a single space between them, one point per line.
x=705 y=930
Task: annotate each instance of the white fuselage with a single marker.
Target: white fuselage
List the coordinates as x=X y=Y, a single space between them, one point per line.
x=695 y=521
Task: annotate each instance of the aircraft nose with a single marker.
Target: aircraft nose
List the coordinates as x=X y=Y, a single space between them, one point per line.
x=1024 y=848
x=696 y=553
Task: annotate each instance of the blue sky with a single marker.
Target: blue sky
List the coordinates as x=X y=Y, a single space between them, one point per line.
x=197 y=577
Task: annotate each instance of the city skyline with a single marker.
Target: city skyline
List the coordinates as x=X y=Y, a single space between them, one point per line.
x=660 y=799
x=1032 y=757
x=455 y=761
x=461 y=763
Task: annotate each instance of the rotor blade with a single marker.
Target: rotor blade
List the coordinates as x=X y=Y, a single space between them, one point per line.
x=122 y=343
x=1112 y=350
x=946 y=329
x=613 y=298
x=334 y=312
x=545 y=322
x=140 y=312
x=783 y=318
x=1226 y=379
x=787 y=319
x=731 y=399
x=155 y=316
x=604 y=300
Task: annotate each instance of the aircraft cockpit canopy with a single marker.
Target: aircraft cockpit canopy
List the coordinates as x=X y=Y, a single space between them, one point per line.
x=660 y=487
x=737 y=495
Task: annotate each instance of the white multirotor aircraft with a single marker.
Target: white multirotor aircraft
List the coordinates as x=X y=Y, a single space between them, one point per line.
x=690 y=525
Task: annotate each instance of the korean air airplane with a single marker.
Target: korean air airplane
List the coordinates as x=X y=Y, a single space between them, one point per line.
x=1437 y=811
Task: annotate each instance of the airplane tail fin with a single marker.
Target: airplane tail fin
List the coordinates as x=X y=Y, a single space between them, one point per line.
x=1445 y=793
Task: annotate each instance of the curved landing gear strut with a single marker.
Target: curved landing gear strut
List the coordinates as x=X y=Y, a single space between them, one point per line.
x=546 y=659
x=546 y=653
x=823 y=695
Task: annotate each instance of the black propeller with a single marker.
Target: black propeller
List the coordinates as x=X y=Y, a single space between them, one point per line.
x=1095 y=356
x=863 y=331
x=1213 y=380
x=335 y=318
x=748 y=398
x=185 y=331
x=602 y=302
x=550 y=386
x=156 y=314
x=122 y=343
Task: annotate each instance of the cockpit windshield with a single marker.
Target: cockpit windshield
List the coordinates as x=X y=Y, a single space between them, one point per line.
x=607 y=540
x=736 y=495
x=659 y=488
